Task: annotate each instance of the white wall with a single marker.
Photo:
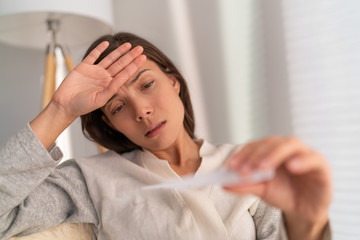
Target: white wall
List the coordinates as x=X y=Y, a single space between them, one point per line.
x=152 y=20
x=155 y=21
x=20 y=93
x=217 y=110
x=19 y=88
x=206 y=25
x=322 y=48
x=278 y=106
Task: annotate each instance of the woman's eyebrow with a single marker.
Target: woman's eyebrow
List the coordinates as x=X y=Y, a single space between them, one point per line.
x=131 y=83
x=137 y=76
x=113 y=96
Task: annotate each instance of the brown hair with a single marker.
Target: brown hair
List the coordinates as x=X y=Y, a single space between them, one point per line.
x=94 y=127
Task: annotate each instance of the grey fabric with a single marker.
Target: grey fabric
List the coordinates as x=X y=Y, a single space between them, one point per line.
x=267 y=220
x=36 y=194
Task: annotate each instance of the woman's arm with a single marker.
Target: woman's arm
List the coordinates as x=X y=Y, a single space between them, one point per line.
x=268 y=222
x=33 y=194
x=302 y=187
x=86 y=88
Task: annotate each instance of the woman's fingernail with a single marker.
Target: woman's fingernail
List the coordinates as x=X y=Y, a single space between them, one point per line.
x=264 y=163
x=245 y=168
x=232 y=162
x=295 y=164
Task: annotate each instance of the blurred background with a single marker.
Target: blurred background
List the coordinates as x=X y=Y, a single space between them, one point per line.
x=255 y=68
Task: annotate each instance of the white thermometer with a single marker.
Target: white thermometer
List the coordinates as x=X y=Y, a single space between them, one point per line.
x=222 y=177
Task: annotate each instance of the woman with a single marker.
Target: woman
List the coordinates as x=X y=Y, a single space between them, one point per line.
x=136 y=103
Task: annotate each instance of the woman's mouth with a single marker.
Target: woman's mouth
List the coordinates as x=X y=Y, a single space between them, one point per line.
x=155 y=129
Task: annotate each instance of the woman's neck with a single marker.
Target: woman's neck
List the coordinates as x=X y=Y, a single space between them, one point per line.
x=183 y=156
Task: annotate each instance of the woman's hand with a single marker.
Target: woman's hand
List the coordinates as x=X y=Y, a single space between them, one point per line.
x=90 y=86
x=302 y=187
x=86 y=88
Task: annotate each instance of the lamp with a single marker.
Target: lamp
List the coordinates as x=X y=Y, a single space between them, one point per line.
x=55 y=24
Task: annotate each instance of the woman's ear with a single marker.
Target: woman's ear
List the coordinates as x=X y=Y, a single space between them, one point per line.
x=175 y=83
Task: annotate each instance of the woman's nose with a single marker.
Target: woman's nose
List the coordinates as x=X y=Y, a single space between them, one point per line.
x=143 y=115
x=142 y=109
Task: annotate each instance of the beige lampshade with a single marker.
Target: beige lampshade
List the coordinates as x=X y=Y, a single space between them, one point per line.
x=23 y=22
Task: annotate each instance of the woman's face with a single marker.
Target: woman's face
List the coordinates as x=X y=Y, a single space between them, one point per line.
x=147 y=109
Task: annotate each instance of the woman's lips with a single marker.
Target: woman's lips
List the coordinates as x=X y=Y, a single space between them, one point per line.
x=155 y=129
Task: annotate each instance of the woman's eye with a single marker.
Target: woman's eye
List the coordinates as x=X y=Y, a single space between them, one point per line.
x=118 y=108
x=149 y=84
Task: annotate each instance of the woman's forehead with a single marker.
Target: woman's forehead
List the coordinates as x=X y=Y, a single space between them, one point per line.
x=147 y=68
x=148 y=65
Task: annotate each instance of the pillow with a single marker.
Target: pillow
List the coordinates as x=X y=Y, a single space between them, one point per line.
x=64 y=231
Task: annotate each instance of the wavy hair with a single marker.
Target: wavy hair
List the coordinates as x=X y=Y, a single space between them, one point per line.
x=93 y=125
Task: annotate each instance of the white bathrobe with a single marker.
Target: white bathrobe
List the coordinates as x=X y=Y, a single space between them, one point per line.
x=126 y=211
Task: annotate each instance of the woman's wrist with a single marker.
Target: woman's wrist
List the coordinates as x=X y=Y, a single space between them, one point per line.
x=50 y=123
x=298 y=228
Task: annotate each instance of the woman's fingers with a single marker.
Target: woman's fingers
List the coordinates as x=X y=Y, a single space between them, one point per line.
x=274 y=153
x=123 y=76
x=114 y=55
x=267 y=153
x=117 y=60
x=238 y=159
x=256 y=189
x=131 y=68
x=258 y=153
x=307 y=162
x=285 y=150
x=302 y=184
x=95 y=53
x=124 y=61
